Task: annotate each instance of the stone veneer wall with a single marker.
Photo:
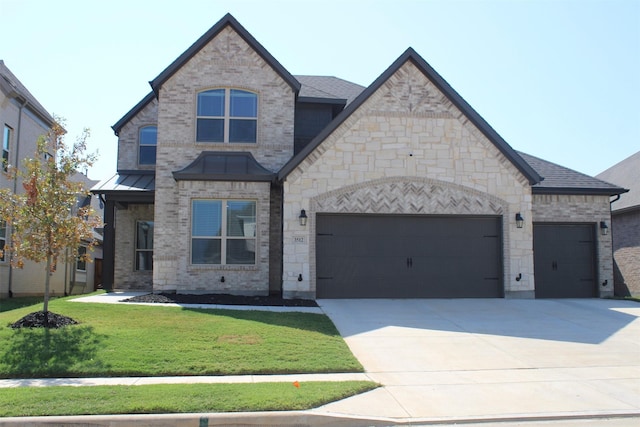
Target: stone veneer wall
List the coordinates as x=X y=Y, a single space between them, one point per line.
x=128 y=137
x=227 y=61
x=626 y=252
x=125 y=275
x=407 y=150
x=581 y=209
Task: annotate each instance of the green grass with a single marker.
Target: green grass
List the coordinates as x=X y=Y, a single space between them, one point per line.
x=192 y=398
x=134 y=340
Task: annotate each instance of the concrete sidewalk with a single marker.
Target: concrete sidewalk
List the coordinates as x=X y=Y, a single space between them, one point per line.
x=443 y=362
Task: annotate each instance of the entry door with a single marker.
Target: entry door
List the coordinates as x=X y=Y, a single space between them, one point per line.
x=564 y=257
x=403 y=256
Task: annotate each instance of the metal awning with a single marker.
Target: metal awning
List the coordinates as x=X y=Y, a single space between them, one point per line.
x=224 y=166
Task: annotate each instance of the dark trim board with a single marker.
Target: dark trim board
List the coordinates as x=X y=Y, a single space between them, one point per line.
x=408 y=256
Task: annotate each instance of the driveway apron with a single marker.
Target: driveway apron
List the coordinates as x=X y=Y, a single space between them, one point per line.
x=492 y=358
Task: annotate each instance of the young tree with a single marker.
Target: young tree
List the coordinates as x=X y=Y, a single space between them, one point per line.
x=45 y=221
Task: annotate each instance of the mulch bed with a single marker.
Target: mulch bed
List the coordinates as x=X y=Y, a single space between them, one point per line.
x=222 y=299
x=38 y=319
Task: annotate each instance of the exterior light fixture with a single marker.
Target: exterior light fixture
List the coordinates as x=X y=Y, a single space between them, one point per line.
x=303 y=217
x=519 y=220
x=604 y=229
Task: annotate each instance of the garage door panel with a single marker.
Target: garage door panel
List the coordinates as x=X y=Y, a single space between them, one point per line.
x=564 y=260
x=393 y=256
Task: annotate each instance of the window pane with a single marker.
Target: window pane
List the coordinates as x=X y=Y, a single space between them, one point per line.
x=205 y=251
x=211 y=103
x=149 y=135
x=147 y=155
x=206 y=218
x=144 y=260
x=241 y=219
x=243 y=104
x=210 y=130
x=6 y=137
x=144 y=238
x=242 y=130
x=241 y=251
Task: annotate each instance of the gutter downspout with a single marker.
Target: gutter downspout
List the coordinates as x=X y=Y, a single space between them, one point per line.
x=15 y=181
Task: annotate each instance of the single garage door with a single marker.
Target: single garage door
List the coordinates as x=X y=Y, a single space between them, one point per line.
x=564 y=260
x=402 y=256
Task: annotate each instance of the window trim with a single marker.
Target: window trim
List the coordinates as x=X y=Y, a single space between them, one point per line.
x=140 y=144
x=227 y=118
x=137 y=250
x=224 y=237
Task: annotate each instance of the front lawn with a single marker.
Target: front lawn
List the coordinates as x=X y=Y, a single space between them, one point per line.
x=134 y=340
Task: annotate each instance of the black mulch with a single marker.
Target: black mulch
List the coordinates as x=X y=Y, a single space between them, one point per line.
x=37 y=319
x=222 y=299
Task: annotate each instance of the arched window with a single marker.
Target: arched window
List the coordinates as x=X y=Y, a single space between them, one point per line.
x=148 y=142
x=227 y=115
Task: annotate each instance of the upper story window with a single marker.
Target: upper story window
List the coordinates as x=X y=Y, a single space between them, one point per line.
x=3 y=239
x=227 y=115
x=6 y=140
x=147 y=142
x=81 y=262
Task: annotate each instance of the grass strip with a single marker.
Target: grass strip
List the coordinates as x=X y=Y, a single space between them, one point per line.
x=174 y=398
x=134 y=340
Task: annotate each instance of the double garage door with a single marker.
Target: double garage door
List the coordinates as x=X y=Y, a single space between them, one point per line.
x=403 y=256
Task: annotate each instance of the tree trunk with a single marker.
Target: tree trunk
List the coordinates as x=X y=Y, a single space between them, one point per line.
x=45 y=309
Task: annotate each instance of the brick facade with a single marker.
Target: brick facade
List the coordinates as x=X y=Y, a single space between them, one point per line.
x=128 y=137
x=126 y=276
x=581 y=209
x=226 y=61
x=626 y=252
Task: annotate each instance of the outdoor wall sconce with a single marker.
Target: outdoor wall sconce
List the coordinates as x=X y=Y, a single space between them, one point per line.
x=519 y=220
x=222 y=279
x=604 y=230
x=303 y=217
x=300 y=277
x=519 y=277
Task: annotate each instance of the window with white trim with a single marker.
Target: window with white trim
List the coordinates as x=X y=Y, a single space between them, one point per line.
x=223 y=232
x=227 y=115
x=144 y=245
x=147 y=145
x=6 y=143
x=3 y=240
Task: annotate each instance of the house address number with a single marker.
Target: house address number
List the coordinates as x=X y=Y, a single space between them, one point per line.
x=299 y=239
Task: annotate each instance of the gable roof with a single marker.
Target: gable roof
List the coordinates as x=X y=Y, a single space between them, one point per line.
x=227 y=20
x=561 y=180
x=14 y=88
x=131 y=113
x=627 y=174
x=410 y=55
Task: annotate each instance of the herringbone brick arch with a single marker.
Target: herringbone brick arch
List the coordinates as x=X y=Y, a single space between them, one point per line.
x=400 y=195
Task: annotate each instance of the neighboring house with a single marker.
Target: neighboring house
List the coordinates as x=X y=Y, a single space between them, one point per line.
x=235 y=176
x=24 y=120
x=625 y=217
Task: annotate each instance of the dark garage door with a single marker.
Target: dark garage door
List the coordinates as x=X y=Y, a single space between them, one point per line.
x=564 y=257
x=396 y=256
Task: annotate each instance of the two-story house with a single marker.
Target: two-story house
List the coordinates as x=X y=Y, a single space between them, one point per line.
x=24 y=120
x=234 y=176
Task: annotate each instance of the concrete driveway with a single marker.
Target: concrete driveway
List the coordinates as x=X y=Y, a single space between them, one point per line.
x=492 y=358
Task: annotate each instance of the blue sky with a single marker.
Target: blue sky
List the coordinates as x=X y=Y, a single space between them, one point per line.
x=558 y=79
